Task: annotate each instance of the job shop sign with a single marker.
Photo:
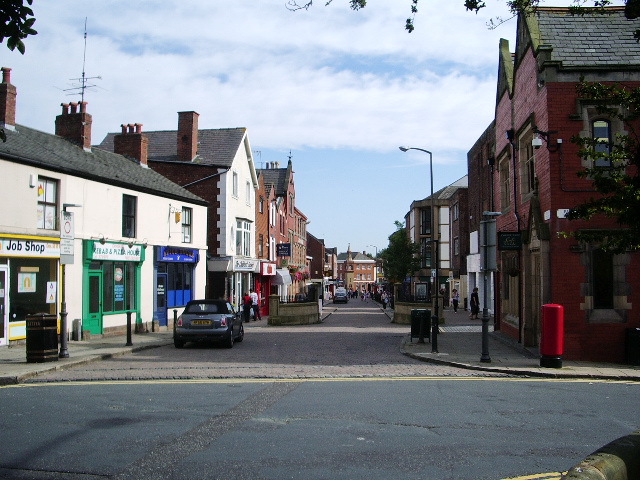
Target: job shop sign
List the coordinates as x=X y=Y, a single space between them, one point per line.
x=16 y=247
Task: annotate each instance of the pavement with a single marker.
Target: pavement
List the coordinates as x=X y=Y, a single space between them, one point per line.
x=459 y=345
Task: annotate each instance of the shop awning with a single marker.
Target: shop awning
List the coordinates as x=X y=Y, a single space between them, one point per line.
x=282 y=277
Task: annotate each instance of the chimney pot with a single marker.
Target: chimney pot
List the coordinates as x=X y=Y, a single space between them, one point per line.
x=6 y=75
x=73 y=107
x=124 y=128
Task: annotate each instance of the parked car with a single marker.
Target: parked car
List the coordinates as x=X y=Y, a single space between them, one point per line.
x=340 y=296
x=208 y=320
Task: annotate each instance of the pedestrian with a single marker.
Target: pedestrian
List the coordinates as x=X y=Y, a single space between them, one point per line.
x=246 y=307
x=455 y=299
x=475 y=304
x=255 y=305
x=385 y=299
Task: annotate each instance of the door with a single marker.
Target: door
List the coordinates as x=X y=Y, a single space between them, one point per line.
x=93 y=321
x=4 y=303
x=161 y=299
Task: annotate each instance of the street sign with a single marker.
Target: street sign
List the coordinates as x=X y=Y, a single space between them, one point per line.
x=67 y=236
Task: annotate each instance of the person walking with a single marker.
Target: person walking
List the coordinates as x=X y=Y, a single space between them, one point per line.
x=455 y=299
x=475 y=304
x=246 y=307
x=255 y=305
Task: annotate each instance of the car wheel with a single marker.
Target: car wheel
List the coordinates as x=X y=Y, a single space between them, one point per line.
x=240 y=336
x=229 y=341
x=178 y=343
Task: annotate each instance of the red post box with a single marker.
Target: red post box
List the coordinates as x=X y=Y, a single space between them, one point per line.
x=552 y=336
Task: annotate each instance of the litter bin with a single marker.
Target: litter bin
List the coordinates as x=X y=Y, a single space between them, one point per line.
x=420 y=319
x=42 y=338
x=633 y=346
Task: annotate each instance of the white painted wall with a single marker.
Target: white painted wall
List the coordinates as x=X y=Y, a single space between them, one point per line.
x=101 y=215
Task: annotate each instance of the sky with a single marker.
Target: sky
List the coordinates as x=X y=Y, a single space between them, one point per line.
x=338 y=90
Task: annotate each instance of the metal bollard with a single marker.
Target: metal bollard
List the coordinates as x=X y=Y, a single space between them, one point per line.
x=129 y=342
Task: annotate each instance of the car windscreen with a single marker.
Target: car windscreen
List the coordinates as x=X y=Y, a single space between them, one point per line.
x=207 y=307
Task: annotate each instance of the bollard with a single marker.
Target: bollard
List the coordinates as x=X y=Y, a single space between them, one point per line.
x=129 y=342
x=552 y=336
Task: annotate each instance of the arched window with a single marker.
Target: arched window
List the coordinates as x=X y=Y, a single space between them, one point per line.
x=602 y=134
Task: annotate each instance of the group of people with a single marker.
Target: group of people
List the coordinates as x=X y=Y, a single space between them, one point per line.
x=474 y=303
x=251 y=303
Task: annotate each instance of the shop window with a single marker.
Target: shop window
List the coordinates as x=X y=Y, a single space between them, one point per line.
x=28 y=279
x=119 y=286
x=129 y=207
x=179 y=284
x=47 y=203
x=186 y=224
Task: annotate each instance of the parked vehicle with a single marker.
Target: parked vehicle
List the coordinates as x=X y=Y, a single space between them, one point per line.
x=208 y=320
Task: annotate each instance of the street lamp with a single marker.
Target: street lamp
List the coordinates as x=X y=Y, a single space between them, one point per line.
x=375 y=248
x=434 y=257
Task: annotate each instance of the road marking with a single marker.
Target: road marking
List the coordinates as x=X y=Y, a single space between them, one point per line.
x=539 y=476
x=312 y=380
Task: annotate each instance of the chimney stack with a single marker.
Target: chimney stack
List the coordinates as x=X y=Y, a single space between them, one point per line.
x=75 y=125
x=187 y=136
x=132 y=143
x=7 y=100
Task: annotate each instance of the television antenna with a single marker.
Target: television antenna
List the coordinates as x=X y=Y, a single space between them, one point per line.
x=82 y=83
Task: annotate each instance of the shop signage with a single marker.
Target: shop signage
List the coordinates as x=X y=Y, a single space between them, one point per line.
x=177 y=254
x=509 y=241
x=16 y=247
x=116 y=252
x=284 y=249
x=244 y=265
x=268 y=269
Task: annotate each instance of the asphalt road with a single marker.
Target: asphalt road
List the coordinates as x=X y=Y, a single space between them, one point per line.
x=333 y=401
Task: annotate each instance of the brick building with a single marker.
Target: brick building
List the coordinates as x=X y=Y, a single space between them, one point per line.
x=357 y=271
x=534 y=183
x=481 y=167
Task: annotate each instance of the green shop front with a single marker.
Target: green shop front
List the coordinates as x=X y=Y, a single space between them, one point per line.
x=111 y=285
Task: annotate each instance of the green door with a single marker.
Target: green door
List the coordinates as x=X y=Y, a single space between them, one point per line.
x=93 y=320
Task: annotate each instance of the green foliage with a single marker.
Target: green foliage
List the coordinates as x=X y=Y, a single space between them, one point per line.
x=17 y=23
x=400 y=258
x=618 y=183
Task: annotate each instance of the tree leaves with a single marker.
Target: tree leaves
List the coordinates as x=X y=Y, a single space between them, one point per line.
x=17 y=23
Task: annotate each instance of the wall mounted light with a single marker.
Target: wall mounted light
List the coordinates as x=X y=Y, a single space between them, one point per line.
x=546 y=136
x=102 y=239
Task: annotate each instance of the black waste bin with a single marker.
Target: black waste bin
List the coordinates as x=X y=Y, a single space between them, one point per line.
x=633 y=346
x=420 y=318
x=42 y=338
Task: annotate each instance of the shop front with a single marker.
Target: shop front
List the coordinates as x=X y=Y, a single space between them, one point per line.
x=111 y=285
x=29 y=267
x=236 y=273
x=175 y=274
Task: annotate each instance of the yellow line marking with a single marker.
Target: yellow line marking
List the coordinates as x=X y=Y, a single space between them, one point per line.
x=307 y=380
x=541 y=476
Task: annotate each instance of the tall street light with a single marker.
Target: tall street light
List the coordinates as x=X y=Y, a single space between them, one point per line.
x=434 y=257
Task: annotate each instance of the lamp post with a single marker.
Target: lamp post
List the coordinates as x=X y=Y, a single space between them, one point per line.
x=488 y=252
x=434 y=257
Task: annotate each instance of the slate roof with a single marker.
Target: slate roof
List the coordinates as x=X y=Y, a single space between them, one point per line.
x=276 y=177
x=589 y=40
x=32 y=147
x=215 y=146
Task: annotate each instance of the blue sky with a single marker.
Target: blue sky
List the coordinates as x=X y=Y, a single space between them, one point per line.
x=339 y=89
